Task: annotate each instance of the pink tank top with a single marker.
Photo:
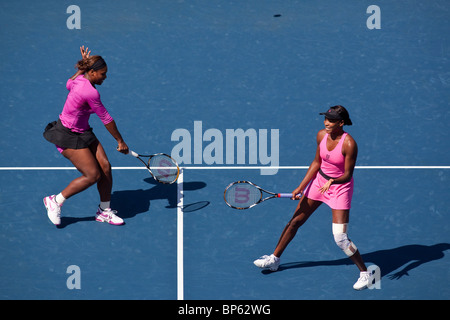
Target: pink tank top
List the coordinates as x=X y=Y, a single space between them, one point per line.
x=333 y=162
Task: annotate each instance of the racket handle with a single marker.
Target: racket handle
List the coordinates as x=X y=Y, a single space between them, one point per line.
x=285 y=195
x=134 y=154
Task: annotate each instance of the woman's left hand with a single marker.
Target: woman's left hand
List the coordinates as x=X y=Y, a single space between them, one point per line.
x=85 y=53
x=326 y=186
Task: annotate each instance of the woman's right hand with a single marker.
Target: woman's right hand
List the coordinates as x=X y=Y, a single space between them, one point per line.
x=297 y=193
x=122 y=147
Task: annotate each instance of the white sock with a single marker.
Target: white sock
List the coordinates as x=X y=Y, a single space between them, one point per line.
x=105 y=205
x=60 y=199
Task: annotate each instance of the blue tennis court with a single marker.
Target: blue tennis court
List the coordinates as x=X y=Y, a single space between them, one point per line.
x=192 y=77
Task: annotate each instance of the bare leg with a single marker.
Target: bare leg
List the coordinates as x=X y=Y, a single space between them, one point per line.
x=94 y=166
x=85 y=162
x=304 y=210
x=104 y=184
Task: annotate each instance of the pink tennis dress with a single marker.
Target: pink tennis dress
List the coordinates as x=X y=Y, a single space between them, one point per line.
x=339 y=196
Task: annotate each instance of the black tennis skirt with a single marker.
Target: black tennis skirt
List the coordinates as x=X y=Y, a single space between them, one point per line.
x=63 y=137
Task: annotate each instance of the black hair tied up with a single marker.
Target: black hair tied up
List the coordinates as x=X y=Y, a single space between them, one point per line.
x=92 y=63
x=99 y=64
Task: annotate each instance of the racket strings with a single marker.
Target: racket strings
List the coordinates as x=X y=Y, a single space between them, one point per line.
x=242 y=195
x=163 y=168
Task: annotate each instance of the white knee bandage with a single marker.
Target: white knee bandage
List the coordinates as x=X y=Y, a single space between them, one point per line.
x=343 y=242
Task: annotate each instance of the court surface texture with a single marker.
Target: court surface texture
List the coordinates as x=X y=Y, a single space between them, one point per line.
x=212 y=67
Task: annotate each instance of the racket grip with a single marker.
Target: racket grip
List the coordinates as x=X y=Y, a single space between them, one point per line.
x=285 y=195
x=134 y=154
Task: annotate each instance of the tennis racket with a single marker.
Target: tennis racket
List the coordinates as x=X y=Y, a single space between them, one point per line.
x=245 y=194
x=161 y=166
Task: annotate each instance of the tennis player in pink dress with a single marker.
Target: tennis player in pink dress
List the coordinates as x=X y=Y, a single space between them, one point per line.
x=329 y=180
x=75 y=140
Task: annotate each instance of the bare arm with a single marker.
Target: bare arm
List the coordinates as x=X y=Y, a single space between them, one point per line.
x=112 y=128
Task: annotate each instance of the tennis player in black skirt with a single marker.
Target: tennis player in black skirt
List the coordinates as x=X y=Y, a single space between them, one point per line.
x=75 y=140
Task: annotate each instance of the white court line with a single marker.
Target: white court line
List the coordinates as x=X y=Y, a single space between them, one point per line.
x=180 y=238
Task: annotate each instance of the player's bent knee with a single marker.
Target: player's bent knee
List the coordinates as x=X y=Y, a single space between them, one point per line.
x=93 y=177
x=342 y=240
x=105 y=166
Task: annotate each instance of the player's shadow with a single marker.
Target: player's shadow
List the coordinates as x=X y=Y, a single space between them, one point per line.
x=406 y=257
x=129 y=203
x=65 y=221
x=132 y=202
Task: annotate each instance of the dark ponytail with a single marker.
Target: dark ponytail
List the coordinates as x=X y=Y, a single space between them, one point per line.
x=92 y=63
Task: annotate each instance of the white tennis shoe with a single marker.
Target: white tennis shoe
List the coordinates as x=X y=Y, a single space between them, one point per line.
x=364 y=281
x=268 y=262
x=108 y=216
x=53 y=209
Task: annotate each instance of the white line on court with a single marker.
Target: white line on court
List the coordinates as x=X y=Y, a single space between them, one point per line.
x=180 y=238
